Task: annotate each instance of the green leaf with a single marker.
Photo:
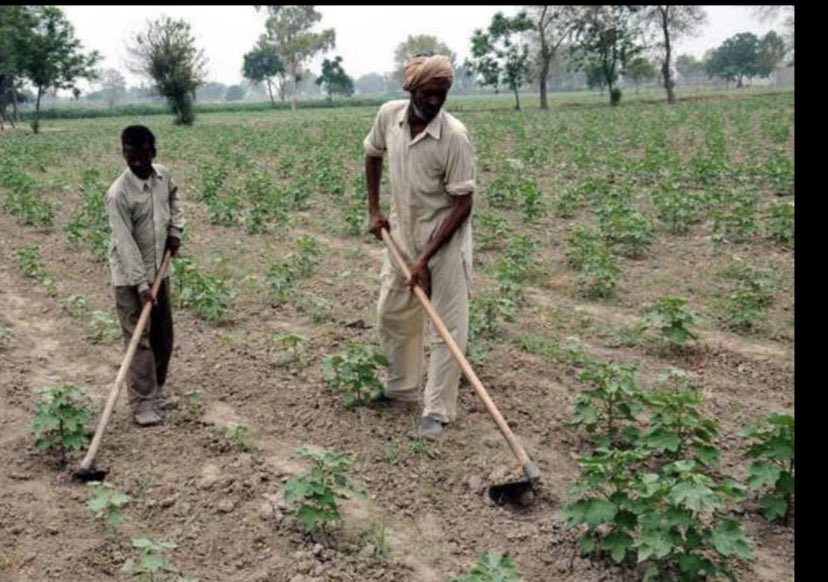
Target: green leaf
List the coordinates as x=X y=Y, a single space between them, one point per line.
x=653 y=543
x=785 y=484
x=694 y=496
x=617 y=544
x=693 y=565
x=706 y=454
x=152 y=561
x=650 y=573
x=773 y=506
x=761 y=474
x=310 y=517
x=663 y=440
x=592 y=512
x=587 y=545
x=729 y=540
x=129 y=566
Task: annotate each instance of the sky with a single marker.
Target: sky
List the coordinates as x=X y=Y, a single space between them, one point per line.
x=366 y=36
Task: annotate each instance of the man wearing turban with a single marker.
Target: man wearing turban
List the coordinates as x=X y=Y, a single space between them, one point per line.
x=432 y=169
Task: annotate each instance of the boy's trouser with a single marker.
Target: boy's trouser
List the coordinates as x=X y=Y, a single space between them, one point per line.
x=401 y=329
x=148 y=370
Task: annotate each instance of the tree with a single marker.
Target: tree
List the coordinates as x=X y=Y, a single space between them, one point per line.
x=334 y=80
x=419 y=44
x=113 y=86
x=234 y=93
x=607 y=37
x=595 y=78
x=262 y=64
x=53 y=57
x=745 y=55
x=673 y=22
x=772 y=50
x=15 y=30
x=765 y=13
x=499 y=56
x=289 y=30
x=166 y=53
x=370 y=84
x=552 y=26
x=689 y=65
x=639 y=69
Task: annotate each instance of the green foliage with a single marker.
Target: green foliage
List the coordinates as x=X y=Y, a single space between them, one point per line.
x=354 y=373
x=89 y=222
x=492 y=567
x=166 y=53
x=59 y=419
x=151 y=564
x=208 y=296
x=671 y=317
x=106 y=504
x=317 y=490
x=772 y=470
x=779 y=225
x=238 y=435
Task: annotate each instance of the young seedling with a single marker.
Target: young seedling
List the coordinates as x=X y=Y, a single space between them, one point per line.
x=492 y=567
x=106 y=504
x=772 y=471
x=59 y=419
x=238 y=435
x=355 y=373
x=317 y=490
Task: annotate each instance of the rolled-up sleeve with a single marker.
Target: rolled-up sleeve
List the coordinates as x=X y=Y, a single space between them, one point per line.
x=460 y=169
x=374 y=142
x=176 y=214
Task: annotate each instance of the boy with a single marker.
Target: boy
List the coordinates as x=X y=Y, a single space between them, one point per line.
x=145 y=219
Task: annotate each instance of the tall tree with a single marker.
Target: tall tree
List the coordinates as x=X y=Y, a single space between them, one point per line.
x=334 y=80
x=166 y=53
x=639 y=69
x=689 y=65
x=419 y=44
x=552 y=27
x=765 y=13
x=53 y=57
x=673 y=23
x=608 y=37
x=745 y=55
x=289 y=30
x=264 y=64
x=772 y=50
x=16 y=24
x=500 y=55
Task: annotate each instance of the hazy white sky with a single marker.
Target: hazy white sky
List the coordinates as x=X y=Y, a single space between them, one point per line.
x=366 y=36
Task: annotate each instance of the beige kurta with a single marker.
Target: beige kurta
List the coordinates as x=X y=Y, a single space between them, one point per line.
x=142 y=213
x=425 y=173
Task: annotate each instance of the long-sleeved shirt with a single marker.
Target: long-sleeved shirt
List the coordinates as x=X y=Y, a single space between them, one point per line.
x=142 y=213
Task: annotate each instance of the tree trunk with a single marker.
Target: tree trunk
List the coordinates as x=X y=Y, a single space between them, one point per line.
x=294 y=86
x=517 y=98
x=270 y=91
x=545 y=60
x=36 y=125
x=665 y=66
x=13 y=118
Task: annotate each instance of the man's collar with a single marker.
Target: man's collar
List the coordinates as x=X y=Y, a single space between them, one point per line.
x=137 y=182
x=434 y=127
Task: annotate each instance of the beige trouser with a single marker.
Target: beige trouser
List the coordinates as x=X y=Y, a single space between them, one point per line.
x=401 y=329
